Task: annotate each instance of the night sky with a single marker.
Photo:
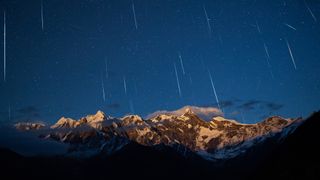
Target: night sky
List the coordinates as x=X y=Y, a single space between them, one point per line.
x=62 y=54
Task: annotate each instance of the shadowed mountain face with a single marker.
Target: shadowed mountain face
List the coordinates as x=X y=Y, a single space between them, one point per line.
x=218 y=138
x=294 y=157
x=298 y=156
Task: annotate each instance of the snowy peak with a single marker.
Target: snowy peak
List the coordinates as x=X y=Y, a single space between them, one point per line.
x=219 y=118
x=132 y=120
x=222 y=119
x=66 y=123
x=162 y=117
x=26 y=126
x=94 y=121
x=98 y=117
x=276 y=121
x=188 y=111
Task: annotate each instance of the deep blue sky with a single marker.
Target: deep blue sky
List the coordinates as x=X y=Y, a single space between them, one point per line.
x=58 y=71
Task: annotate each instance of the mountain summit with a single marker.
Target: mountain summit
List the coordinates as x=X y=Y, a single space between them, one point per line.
x=218 y=138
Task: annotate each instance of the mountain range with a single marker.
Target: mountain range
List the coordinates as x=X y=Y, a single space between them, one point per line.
x=172 y=146
x=218 y=138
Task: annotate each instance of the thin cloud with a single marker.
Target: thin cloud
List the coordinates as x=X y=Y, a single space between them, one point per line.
x=250 y=105
x=274 y=106
x=227 y=103
x=254 y=104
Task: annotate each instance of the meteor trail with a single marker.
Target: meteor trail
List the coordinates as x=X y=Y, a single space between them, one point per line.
x=288 y=25
x=214 y=89
x=268 y=58
x=42 y=22
x=267 y=53
x=208 y=20
x=4 y=47
x=103 y=91
x=125 y=85
x=292 y=58
x=134 y=15
x=177 y=78
x=181 y=63
x=310 y=11
x=258 y=27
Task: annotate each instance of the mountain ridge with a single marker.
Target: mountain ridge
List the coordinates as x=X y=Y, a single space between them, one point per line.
x=296 y=157
x=218 y=138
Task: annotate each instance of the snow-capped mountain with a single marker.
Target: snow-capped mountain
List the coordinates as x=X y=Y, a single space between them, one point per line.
x=218 y=138
x=29 y=126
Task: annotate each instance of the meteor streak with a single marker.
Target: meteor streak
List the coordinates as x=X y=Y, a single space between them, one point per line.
x=290 y=52
x=208 y=20
x=177 y=78
x=103 y=91
x=124 y=84
x=181 y=63
x=42 y=21
x=310 y=11
x=288 y=25
x=214 y=89
x=4 y=47
x=134 y=15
